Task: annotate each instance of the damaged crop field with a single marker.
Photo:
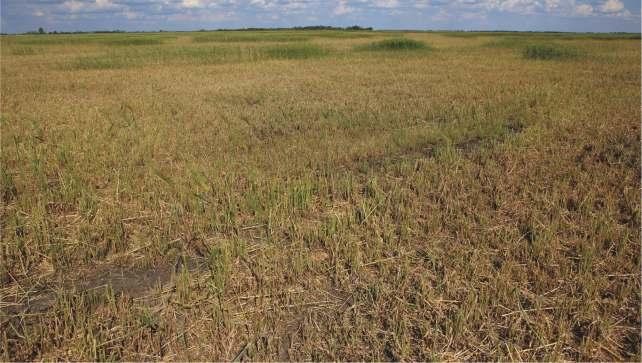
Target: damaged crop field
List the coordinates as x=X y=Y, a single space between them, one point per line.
x=320 y=195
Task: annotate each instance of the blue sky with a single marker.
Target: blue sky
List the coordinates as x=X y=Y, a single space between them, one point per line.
x=539 y=15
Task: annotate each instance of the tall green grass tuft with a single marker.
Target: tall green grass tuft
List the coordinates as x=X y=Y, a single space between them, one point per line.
x=395 y=44
x=549 y=52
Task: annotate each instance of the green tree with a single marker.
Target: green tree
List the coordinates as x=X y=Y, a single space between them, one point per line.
x=41 y=30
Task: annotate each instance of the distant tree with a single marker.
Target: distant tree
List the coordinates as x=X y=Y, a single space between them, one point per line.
x=41 y=30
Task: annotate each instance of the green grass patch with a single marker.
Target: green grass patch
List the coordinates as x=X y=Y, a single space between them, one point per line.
x=602 y=36
x=506 y=42
x=133 y=41
x=93 y=39
x=294 y=51
x=135 y=57
x=53 y=40
x=395 y=44
x=238 y=37
x=549 y=52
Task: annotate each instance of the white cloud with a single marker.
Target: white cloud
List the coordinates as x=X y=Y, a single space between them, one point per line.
x=73 y=5
x=441 y=16
x=80 y=6
x=131 y=15
x=343 y=8
x=191 y=3
x=296 y=6
x=584 y=9
x=102 y=4
x=386 y=3
x=261 y=3
x=551 y=7
x=473 y=16
x=421 y=4
x=612 y=6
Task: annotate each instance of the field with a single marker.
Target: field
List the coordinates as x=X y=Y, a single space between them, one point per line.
x=320 y=195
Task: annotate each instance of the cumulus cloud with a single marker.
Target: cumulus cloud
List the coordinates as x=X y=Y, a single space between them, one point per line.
x=76 y=6
x=343 y=8
x=389 y=4
x=584 y=9
x=421 y=4
x=551 y=7
x=191 y=3
x=612 y=6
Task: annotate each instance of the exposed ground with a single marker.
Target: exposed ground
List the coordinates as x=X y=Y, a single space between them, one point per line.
x=320 y=196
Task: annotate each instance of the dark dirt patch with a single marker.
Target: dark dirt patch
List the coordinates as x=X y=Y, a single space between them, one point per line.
x=133 y=282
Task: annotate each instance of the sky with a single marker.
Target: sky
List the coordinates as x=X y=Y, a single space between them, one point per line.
x=19 y=16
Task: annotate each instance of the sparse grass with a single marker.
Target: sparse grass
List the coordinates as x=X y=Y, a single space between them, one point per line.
x=195 y=201
x=395 y=44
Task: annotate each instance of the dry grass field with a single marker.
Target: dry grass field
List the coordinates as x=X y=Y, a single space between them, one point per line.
x=320 y=195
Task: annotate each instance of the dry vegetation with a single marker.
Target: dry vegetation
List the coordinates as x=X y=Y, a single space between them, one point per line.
x=320 y=196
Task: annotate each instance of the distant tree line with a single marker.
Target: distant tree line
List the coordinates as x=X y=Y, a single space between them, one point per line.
x=322 y=27
x=313 y=27
x=42 y=31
